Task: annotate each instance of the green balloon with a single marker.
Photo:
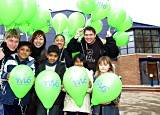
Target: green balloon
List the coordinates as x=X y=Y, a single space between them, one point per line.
x=28 y=10
x=41 y=18
x=127 y=24
x=45 y=29
x=116 y=17
x=10 y=10
x=106 y=88
x=47 y=87
x=86 y=6
x=21 y=79
x=97 y=25
x=11 y=26
x=121 y=38
x=67 y=36
x=59 y=22
x=102 y=10
x=76 y=84
x=79 y=22
x=24 y=27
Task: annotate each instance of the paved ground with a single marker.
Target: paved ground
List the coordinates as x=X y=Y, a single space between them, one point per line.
x=140 y=103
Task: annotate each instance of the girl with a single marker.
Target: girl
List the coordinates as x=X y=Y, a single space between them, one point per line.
x=104 y=65
x=65 y=56
x=69 y=105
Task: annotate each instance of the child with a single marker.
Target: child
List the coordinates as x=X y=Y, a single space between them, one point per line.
x=8 y=99
x=69 y=105
x=9 y=46
x=53 y=64
x=104 y=65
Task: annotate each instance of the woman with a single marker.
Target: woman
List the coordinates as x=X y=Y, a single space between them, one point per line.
x=38 y=43
x=65 y=56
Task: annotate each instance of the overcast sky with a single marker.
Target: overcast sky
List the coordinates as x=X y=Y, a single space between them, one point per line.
x=143 y=11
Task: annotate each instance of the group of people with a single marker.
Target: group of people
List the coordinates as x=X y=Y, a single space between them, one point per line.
x=94 y=55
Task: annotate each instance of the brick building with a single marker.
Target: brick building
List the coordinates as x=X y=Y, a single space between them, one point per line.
x=139 y=61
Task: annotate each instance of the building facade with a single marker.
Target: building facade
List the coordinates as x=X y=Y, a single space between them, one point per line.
x=139 y=61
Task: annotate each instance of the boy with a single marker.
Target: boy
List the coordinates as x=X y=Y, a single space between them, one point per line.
x=8 y=99
x=53 y=64
x=9 y=46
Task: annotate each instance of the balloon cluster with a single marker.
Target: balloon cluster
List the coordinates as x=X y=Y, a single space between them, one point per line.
x=106 y=88
x=28 y=16
x=117 y=18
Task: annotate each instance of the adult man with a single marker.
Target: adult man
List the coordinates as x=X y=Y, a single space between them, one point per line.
x=92 y=47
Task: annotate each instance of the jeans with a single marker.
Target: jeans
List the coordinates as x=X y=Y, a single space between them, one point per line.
x=55 y=110
x=110 y=110
x=96 y=110
x=76 y=113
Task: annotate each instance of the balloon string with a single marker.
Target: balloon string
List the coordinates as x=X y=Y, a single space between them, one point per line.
x=47 y=111
x=26 y=36
x=19 y=103
x=85 y=20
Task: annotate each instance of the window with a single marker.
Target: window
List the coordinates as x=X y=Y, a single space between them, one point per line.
x=143 y=41
x=148 y=41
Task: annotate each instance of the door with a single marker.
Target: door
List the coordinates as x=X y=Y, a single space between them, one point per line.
x=150 y=71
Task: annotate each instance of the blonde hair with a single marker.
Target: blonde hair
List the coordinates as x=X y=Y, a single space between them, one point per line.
x=12 y=33
x=105 y=60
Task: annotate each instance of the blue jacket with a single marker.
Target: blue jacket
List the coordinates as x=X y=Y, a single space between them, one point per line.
x=8 y=98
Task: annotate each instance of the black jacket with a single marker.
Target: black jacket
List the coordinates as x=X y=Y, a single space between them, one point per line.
x=66 y=57
x=7 y=52
x=92 y=52
x=60 y=70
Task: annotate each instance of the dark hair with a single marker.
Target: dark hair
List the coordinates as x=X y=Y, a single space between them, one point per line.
x=36 y=33
x=59 y=35
x=90 y=29
x=53 y=48
x=80 y=57
x=25 y=43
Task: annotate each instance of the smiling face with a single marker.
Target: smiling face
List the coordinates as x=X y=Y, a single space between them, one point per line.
x=24 y=52
x=89 y=36
x=38 y=41
x=12 y=43
x=52 y=57
x=59 y=41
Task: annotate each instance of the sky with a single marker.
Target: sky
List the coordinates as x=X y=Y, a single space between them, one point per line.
x=143 y=11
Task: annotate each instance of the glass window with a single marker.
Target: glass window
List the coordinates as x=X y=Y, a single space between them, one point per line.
x=139 y=38
x=131 y=50
x=139 y=44
x=148 y=50
x=156 y=50
x=147 y=38
x=154 y=32
x=156 y=44
x=146 y=32
x=139 y=50
x=155 y=38
x=123 y=51
x=138 y=32
x=131 y=38
x=122 y=47
x=130 y=44
x=147 y=44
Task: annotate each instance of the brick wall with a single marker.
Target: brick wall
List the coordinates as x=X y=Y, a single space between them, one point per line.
x=127 y=66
